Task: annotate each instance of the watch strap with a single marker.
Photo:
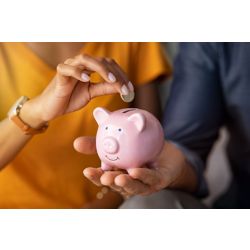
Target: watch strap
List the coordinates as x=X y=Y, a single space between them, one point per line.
x=26 y=128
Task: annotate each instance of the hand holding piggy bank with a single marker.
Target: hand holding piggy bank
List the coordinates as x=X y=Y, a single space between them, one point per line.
x=127 y=138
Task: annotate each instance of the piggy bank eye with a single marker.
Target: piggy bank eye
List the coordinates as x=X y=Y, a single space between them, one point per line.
x=106 y=128
x=119 y=129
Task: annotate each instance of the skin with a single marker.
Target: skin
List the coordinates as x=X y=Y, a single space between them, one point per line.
x=171 y=170
x=68 y=92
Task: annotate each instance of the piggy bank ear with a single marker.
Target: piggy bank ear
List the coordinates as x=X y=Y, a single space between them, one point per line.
x=138 y=120
x=100 y=115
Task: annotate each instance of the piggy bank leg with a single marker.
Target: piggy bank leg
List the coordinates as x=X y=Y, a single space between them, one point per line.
x=105 y=167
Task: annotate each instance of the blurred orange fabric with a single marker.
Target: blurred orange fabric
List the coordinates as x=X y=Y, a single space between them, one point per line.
x=47 y=173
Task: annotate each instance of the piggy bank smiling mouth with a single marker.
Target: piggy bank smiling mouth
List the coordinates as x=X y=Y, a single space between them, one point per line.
x=117 y=158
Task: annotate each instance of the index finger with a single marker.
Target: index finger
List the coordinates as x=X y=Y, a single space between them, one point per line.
x=96 y=65
x=131 y=185
x=148 y=176
x=107 y=179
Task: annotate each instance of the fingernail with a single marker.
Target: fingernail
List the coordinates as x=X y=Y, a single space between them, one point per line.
x=124 y=90
x=85 y=77
x=130 y=86
x=111 y=77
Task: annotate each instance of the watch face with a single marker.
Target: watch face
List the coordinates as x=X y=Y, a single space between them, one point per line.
x=14 y=109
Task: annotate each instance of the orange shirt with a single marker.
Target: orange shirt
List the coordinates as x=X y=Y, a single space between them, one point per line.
x=47 y=173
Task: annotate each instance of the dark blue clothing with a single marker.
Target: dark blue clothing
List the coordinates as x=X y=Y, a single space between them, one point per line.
x=211 y=89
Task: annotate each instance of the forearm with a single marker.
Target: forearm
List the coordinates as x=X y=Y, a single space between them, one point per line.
x=12 y=139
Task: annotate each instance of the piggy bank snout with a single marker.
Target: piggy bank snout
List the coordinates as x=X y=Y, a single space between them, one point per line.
x=110 y=145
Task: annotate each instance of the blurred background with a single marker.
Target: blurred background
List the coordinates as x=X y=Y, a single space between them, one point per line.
x=218 y=173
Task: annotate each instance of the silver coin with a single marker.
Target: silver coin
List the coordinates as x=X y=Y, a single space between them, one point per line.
x=128 y=98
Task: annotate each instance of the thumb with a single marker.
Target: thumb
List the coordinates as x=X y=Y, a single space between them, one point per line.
x=102 y=88
x=85 y=145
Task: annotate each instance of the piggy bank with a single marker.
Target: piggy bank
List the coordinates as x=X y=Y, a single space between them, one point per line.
x=127 y=138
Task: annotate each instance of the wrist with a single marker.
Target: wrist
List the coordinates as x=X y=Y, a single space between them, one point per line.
x=31 y=115
x=186 y=180
x=185 y=175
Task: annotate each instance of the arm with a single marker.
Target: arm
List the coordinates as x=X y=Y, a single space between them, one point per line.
x=70 y=90
x=195 y=109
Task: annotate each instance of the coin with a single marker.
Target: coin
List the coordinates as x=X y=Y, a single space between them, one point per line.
x=129 y=97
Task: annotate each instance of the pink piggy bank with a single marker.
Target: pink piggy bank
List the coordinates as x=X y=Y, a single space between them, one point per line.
x=127 y=138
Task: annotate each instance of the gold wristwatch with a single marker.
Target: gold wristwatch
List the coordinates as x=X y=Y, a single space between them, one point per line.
x=13 y=115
